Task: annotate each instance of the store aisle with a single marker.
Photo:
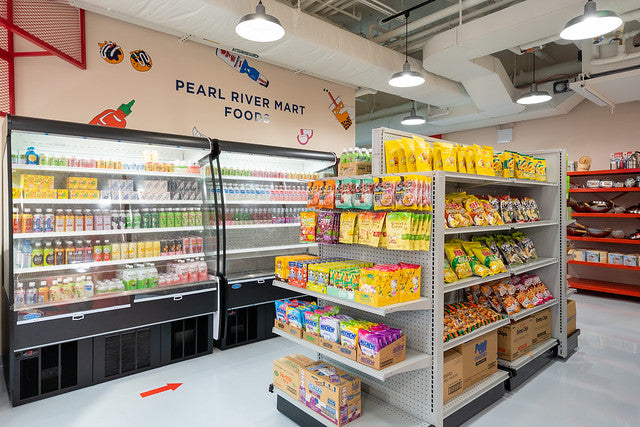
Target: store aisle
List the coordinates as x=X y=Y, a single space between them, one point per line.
x=599 y=385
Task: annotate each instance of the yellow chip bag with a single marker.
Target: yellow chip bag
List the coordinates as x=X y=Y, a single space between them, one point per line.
x=424 y=155
x=487 y=157
x=508 y=164
x=521 y=166
x=364 y=226
x=392 y=161
x=399 y=230
x=489 y=259
x=497 y=165
x=479 y=158
x=541 y=170
x=448 y=156
x=469 y=160
x=437 y=158
x=409 y=153
x=348 y=227
x=459 y=260
x=449 y=274
x=460 y=159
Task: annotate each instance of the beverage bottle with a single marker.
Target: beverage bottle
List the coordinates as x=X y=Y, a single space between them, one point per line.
x=38 y=221
x=31 y=294
x=141 y=279
x=148 y=248
x=43 y=292
x=69 y=220
x=183 y=273
x=27 y=221
x=87 y=251
x=145 y=219
x=177 y=218
x=69 y=252
x=37 y=255
x=191 y=215
x=19 y=295
x=128 y=222
x=152 y=274
x=137 y=219
x=184 y=217
x=59 y=221
x=58 y=253
x=23 y=259
x=192 y=271
x=153 y=218
x=79 y=256
x=114 y=218
x=88 y=287
x=78 y=220
x=198 y=217
x=77 y=287
x=115 y=251
x=88 y=220
x=49 y=220
x=17 y=221
x=124 y=250
x=32 y=156
x=106 y=251
x=170 y=218
x=128 y=279
x=47 y=253
x=106 y=219
x=122 y=220
x=133 y=250
x=162 y=218
x=156 y=248
x=98 y=225
x=202 y=270
x=97 y=251
x=243 y=192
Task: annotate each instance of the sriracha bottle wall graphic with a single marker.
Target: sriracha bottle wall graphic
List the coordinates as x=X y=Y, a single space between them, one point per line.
x=113 y=118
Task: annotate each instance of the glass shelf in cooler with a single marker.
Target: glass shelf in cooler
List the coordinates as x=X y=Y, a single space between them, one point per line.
x=97 y=171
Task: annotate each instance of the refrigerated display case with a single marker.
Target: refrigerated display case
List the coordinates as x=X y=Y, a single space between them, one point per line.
x=262 y=190
x=109 y=256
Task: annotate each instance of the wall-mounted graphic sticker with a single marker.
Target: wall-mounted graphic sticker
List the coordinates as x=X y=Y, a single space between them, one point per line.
x=140 y=60
x=305 y=136
x=111 y=52
x=241 y=65
x=114 y=118
x=339 y=110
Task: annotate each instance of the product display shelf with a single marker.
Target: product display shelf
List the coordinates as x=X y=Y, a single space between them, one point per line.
x=604 y=286
x=604 y=172
x=504 y=227
x=475 y=391
x=375 y=413
x=105 y=202
x=474 y=334
x=604 y=215
x=604 y=190
x=529 y=355
x=100 y=171
x=244 y=226
x=604 y=265
x=263 y=202
x=529 y=311
x=419 y=304
x=83 y=266
x=414 y=359
x=269 y=248
x=106 y=232
x=467 y=178
x=262 y=179
x=604 y=240
x=531 y=265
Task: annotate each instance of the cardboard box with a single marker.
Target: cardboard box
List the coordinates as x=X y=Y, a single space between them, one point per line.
x=347 y=294
x=63 y=194
x=571 y=316
x=84 y=194
x=514 y=339
x=313 y=339
x=540 y=326
x=354 y=168
x=389 y=355
x=286 y=373
x=479 y=358
x=452 y=377
x=331 y=392
x=288 y=329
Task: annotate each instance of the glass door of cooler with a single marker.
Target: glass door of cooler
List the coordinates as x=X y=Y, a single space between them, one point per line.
x=263 y=197
x=96 y=221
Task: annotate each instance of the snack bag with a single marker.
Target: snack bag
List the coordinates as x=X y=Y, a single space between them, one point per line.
x=459 y=260
x=448 y=156
x=345 y=191
x=508 y=301
x=327 y=230
x=478 y=268
x=410 y=153
x=487 y=156
x=462 y=167
x=437 y=157
x=424 y=155
x=364 y=226
x=363 y=193
x=470 y=160
x=425 y=232
x=526 y=245
x=308 y=222
x=449 y=274
x=520 y=215
x=489 y=259
x=315 y=190
x=521 y=296
x=473 y=205
x=541 y=170
x=329 y=195
x=348 y=232
x=508 y=164
x=281 y=310
x=425 y=187
x=492 y=214
x=399 y=230
x=480 y=160
x=349 y=333
x=531 y=209
x=312 y=322
x=507 y=251
x=407 y=193
x=384 y=192
x=377 y=220
x=497 y=165
x=517 y=248
x=521 y=166
x=392 y=156
x=493 y=299
x=507 y=210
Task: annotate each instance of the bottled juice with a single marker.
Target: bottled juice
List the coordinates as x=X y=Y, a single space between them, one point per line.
x=177 y=220
x=192 y=271
x=78 y=220
x=69 y=220
x=106 y=251
x=77 y=287
x=43 y=292
x=58 y=253
x=98 y=223
x=141 y=280
x=106 y=219
x=69 y=252
x=191 y=217
x=60 y=218
x=148 y=248
x=37 y=255
x=49 y=257
x=88 y=220
x=170 y=217
x=202 y=270
x=79 y=257
x=142 y=250
x=31 y=294
x=137 y=219
x=114 y=220
x=89 y=290
x=97 y=251
x=128 y=223
x=124 y=250
x=49 y=221
x=115 y=251
x=184 y=218
x=145 y=218
x=128 y=279
x=27 y=221
x=88 y=251
x=38 y=221
x=153 y=276
x=17 y=221
x=198 y=217
x=18 y=295
x=153 y=218
x=156 y=248
x=133 y=250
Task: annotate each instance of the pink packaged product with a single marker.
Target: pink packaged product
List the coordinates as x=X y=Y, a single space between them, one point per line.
x=380 y=336
x=328 y=228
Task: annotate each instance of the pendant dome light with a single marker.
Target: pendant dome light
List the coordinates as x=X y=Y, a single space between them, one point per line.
x=534 y=96
x=592 y=23
x=260 y=27
x=406 y=77
x=413 y=119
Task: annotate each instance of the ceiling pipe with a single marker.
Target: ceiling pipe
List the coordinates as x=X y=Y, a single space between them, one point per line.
x=362 y=91
x=569 y=68
x=385 y=112
x=429 y=19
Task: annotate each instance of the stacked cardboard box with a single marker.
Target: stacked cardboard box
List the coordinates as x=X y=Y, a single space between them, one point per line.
x=286 y=373
x=518 y=338
x=571 y=317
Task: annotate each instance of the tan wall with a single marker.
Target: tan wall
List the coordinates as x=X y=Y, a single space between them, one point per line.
x=586 y=130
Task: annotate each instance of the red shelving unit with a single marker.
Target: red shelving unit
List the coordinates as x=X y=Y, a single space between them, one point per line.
x=602 y=286
x=603 y=172
x=604 y=240
x=604 y=215
x=603 y=264
x=604 y=190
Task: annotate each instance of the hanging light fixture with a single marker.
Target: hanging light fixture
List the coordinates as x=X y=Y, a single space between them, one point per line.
x=592 y=23
x=413 y=119
x=260 y=27
x=534 y=96
x=406 y=77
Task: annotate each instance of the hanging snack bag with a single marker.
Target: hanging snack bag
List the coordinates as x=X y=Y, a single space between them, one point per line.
x=411 y=197
x=345 y=189
x=329 y=195
x=449 y=274
x=392 y=160
x=348 y=227
x=384 y=193
x=363 y=193
x=437 y=157
x=508 y=164
x=308 y=226
x=425 y=186
x=377 y=225
x=410 y=153
x=459 y=260
x=541 y=170
x=478 y=215
x=424 y=155
x=399 y=230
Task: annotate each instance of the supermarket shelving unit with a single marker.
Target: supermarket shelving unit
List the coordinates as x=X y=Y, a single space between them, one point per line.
x=417 y=393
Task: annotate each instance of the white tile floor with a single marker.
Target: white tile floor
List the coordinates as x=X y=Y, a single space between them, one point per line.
x=597 y=386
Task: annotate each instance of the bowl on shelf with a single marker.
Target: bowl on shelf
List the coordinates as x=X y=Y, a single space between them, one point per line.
x=598 y=232
x=599 y=206
x=617 y=234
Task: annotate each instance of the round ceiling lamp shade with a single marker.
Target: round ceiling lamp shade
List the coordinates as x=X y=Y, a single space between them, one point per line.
x=406 y=77
x=534 y=96
x=260 y=27
x=592 y=23
x=413 y=119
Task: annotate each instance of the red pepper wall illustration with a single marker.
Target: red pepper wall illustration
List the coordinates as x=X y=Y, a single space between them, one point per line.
x=140 y=60
x=305 y=136
x=111 y=52
x=114 y=118
x=339 y=110
x=241 y=65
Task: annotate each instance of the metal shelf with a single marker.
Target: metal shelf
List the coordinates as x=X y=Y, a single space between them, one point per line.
x=243 y=226
x=604 y=264
x=571 y=291
x=269 y=248
x=377 y=413
x=604 y=190
x=414 y=359
x=478 y=332
x=603 y=286
x=465 y=178
x=87 y=265
x=492 y=228
x=96 y=171
x=604 y=240
x=104 y=202
x=603 y=215
x=106 y=232
x=262 y=179
x=264 y=202
x=530 y=355
x=419 y=304
x=474 y=392
x=603 y=172
x=529 y=311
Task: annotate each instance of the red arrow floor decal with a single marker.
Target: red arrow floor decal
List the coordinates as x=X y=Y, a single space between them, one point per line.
x=169 y=386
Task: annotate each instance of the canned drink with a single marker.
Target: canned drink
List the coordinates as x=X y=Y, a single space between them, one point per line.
x=199 y=245
x=171 y=247
x=193 y=243
x=186 y=245
x=164 y=247
x=179 y=249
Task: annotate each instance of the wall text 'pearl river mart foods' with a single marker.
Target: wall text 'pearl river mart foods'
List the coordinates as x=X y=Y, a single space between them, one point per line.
x=241 y=98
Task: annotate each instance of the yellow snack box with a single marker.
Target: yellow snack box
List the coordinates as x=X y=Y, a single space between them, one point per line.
x=92 y=183
x=62 y=194
x=32 y=193
x=49 y=193
x=84 y=194
x=16 y=192
x=73 y=183
x=424 y=155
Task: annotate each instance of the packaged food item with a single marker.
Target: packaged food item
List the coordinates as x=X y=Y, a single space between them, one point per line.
x=478 y=268
x=376 y=225
x=308 y=222
x=328 y=195
x=345 y=193
x=541 y=170
x=521 y=294
x=425 y=186
x=408 y=193
x=489 y=259
x=469 y=159
x=384 y=192
x=348 y=231
x=364 y=226
x=462 y=167
x=424 y=155
x=497 y=164
x=409 y=153
x=505 y=292
x=437 y=157
x=399 y=230
x=364 y=193
x=508 y=252
x=315 y=189
x=449 y=274
x=525 y=244
x=447 y=156
x=493 y=299
x=455 y=214
x=508 y=164
x=520 y=215
x=487 y=157
x=459 y=260
x=531 y=209
x=521 y=166
x=478 y=215
x=491 y=212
